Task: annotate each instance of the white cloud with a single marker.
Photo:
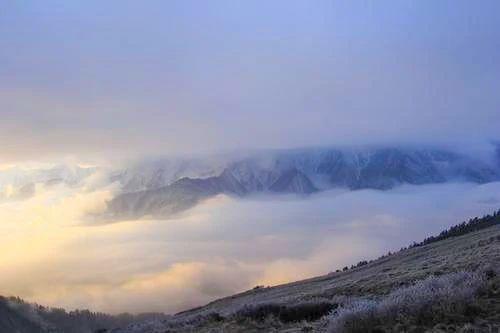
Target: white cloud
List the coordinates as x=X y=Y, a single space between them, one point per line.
x=218 y=248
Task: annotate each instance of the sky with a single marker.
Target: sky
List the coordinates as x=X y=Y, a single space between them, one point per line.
x=102 y=79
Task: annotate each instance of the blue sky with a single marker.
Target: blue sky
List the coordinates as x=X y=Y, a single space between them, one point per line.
x=94 y=78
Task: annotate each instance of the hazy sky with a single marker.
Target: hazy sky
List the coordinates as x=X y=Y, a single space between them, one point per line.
x=91 y=78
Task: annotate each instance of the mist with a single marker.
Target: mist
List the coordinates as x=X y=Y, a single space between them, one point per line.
x=50 y=254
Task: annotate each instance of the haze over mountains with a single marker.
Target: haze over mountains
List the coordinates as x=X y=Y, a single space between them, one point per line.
x=163 y=187
x=163 y=190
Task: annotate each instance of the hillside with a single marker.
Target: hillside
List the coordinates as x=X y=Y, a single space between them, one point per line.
x=18 y=316
x=311 y=300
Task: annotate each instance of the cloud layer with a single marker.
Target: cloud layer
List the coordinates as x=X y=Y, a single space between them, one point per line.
x=223 y=246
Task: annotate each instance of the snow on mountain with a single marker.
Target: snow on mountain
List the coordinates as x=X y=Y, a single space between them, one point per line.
x=169 y=187
x=166 y=186
x=293 y=181
x=154 y=174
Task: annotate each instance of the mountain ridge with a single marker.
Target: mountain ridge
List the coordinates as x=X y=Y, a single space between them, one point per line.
x=301 y=172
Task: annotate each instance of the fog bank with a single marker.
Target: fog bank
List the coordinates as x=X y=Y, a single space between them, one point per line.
x=220 y=247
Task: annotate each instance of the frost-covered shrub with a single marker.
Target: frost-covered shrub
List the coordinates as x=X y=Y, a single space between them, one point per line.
x=430 y=299
x=427 y=301
x=308 y=311
x=355 y=316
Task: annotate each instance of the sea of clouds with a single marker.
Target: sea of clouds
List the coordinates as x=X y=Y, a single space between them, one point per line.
x=53 y=254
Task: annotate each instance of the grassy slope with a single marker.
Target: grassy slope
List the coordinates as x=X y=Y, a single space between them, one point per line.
x=379 y=277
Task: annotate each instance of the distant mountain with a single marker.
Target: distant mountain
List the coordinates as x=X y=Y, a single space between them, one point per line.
x=153 y=174
x=163 y=192
x=293 y=181
x=187 y=192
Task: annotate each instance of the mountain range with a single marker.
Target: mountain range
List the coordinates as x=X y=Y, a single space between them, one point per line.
x=170 y=188
x=162 y=187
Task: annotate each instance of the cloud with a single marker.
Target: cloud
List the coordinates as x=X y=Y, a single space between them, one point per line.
x=220 y=247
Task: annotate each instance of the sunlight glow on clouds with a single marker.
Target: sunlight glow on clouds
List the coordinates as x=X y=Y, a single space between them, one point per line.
x=53 y=255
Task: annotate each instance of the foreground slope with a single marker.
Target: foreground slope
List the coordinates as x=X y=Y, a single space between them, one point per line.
x=246 y=312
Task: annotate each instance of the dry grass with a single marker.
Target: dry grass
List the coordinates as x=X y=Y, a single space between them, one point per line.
x=382 y=285
x=379 y=277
